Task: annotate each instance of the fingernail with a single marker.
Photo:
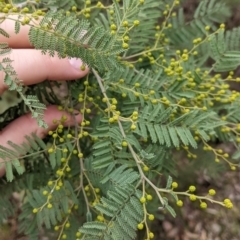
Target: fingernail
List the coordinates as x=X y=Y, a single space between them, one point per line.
x=76 y=63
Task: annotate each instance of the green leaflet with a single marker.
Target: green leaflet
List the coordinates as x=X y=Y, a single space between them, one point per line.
x=169 y=182
x=121 y=176
x=171 y=210
x=232 y=38
x=217 y=45
x=4 y=33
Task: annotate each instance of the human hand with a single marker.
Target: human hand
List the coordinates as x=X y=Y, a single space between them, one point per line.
x=32 y=67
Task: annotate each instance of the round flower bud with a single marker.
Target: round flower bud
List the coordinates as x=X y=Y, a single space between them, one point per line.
x=192 y=197
x=67 y=225
x=211 y=192
x=125 y=45
x=45 y=192
x=174 y=185
x=151 y=235
x=192 y=189
x=136 y=23
x=180 y=203
x=151 y=217
x=142 y=199
x=145 y=168
x=203 y=205
x=35 y=210
x=49 y=205
x=149 y=197
x=140 y=226
x=56 y=228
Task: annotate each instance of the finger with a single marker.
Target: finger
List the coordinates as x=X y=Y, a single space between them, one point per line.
x=33 y=67
x=19 y=40
x=25 y=125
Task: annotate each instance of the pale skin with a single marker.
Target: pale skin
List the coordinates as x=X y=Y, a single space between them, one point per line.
x=32 y=67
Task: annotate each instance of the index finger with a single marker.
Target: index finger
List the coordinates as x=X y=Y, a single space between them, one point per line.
x=19 y=40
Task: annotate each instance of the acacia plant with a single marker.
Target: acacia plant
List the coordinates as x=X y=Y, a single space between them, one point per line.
x=157 y=83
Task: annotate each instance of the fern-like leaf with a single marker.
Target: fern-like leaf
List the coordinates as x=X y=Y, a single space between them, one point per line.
x=123 y=210
x=70 y=37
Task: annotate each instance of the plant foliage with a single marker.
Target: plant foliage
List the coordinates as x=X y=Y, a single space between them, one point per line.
x=150 y=92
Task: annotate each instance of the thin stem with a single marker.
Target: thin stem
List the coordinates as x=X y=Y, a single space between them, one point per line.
x=135 y=156
x=81 y=164
x=141 y=53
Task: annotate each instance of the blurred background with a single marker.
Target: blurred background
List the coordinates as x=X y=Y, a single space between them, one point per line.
x=214 y=223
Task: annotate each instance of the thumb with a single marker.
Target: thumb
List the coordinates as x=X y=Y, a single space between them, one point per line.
x=33 y=67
